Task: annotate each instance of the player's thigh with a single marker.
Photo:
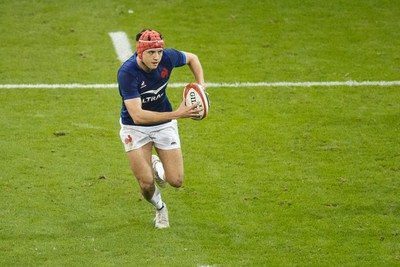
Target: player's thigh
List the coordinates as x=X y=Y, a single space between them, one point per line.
x=173 y=164
x=140 y=162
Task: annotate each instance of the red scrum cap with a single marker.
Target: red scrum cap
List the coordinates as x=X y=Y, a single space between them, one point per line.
x=148 y=39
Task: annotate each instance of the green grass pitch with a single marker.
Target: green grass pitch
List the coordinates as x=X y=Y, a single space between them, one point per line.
x=275 y=176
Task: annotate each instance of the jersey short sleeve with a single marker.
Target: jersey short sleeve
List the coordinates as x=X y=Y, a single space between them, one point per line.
x=127 y=85
x=178 y=58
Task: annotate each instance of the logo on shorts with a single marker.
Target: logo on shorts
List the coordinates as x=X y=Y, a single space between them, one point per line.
x=128 y=139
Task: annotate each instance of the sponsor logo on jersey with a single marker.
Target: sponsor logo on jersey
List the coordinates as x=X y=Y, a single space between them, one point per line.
x=147 y=99
x=154 y=95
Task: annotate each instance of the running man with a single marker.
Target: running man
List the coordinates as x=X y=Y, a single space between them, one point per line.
x=148 y=119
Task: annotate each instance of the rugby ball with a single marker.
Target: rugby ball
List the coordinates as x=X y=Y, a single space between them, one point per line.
x=194 y=93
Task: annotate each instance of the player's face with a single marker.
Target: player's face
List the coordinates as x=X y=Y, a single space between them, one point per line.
x=152 y=57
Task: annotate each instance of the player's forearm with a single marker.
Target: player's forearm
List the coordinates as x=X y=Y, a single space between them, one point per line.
x=197 y=71
x=196 y=68
x=152 y=117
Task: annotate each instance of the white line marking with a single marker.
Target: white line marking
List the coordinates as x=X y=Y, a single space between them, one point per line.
x=122 y=45
x=178 y=85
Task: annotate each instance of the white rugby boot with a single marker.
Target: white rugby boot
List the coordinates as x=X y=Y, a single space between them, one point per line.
x=161 y=220
x=156 y=160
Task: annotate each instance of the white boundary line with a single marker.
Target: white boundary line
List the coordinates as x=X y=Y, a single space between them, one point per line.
x=121 y=44
x=178 y=85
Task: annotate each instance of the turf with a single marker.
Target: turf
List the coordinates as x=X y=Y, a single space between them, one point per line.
x=275 y=176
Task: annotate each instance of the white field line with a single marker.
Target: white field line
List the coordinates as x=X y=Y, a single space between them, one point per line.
x=122 y=45
x=208 y=85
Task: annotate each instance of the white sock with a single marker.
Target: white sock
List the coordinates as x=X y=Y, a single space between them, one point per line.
x=160 y=170
x=156 y=199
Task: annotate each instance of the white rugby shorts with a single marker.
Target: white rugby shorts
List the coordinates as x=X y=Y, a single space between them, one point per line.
x=164 y=136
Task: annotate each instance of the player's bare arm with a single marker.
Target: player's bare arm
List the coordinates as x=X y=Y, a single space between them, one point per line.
x=141 y=116
x=195 y=66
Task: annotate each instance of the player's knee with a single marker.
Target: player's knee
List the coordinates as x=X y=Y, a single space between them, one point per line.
x=146 y=188
x=176 y=181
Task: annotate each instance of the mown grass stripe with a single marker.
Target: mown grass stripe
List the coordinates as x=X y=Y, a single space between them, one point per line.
x=177 y=85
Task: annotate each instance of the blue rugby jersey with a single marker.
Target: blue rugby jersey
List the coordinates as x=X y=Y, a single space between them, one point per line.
x=133 y=82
